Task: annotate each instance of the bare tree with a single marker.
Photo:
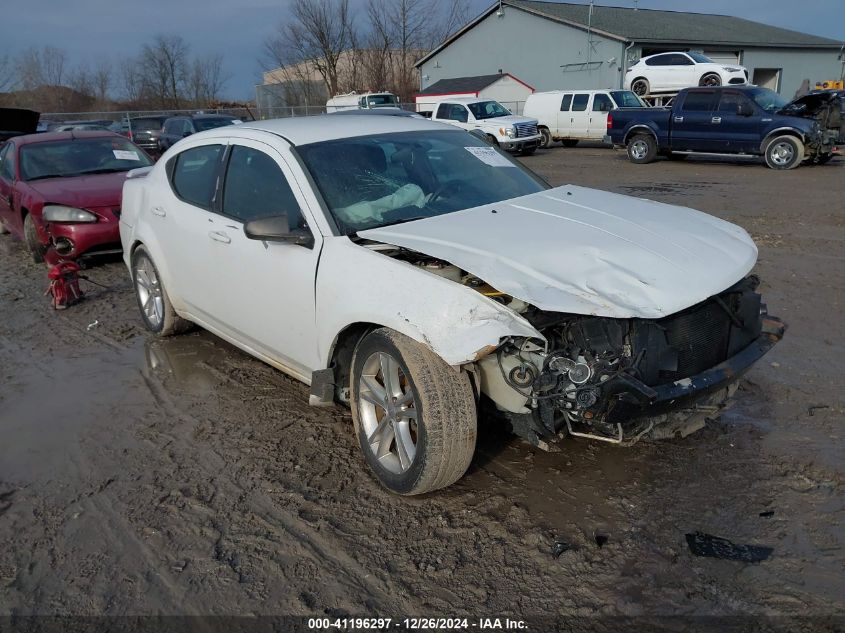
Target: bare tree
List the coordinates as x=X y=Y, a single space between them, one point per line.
x=318 y=32
x=41 y=67
x=130 y=79
x=81 y=80
x=164 y=69
x=8 y=80
x=102 y=78
x=206 y=79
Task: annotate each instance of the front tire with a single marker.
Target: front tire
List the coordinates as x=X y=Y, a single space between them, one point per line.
x=642 y=149
x=545 y=138
x=784 y=152
x=156 y=310
x=710 y=80
x=415 y=416
x=33 y=243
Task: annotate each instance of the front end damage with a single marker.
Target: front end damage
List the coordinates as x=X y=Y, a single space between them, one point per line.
x=617 y=379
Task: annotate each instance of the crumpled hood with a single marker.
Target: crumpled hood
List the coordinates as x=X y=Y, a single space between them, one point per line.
x=98 y=190
x=584 y=251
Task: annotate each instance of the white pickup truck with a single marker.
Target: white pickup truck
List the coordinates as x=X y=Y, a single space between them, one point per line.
x=510 y=132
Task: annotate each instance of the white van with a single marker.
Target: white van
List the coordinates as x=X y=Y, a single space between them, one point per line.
x=570 y=116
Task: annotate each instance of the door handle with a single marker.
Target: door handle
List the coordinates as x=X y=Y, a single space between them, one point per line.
x=219 y=236
x=716 y=119
x=159 y=211
x=679 y=119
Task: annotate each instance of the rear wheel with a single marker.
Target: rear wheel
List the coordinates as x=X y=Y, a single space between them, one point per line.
x=784 y=152
x=156 y=310
x=569 y=142
x=642 y=148
x=640 y=86
x=414 y=415
x=33 y=243
x=545 y=138
x=710 y=79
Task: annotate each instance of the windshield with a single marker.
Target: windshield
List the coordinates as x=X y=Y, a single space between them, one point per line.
x=700 y=59
x=374 y=181
x=767 y=99
x=488 y=109
x=627 y=99
x=75 y=157
x=376 y=101
x=147 y=125
x=210 y=124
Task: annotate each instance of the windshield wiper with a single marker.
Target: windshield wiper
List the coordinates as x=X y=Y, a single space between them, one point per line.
x=45 y=176
x=111 y=170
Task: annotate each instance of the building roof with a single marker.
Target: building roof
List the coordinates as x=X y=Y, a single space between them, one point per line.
x=461 y=85
x=655 y=26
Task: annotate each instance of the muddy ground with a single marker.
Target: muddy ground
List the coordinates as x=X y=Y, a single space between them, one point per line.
x=144 y=476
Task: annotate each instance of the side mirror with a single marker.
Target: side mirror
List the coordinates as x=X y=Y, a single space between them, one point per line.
x=276 y=228
x=744 y=109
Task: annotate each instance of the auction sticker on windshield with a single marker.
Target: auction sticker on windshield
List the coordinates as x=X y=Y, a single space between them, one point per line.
x=122 y=154
x=490 y=156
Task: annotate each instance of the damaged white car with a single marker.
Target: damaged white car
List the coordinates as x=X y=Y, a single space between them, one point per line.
x=411 y=271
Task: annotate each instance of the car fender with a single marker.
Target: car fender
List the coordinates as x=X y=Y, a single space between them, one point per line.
x=640 y=127
x=779 y=131
x=356 y=284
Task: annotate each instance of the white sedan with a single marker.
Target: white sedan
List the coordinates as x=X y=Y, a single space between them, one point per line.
x=409 y=270
x=670 y=72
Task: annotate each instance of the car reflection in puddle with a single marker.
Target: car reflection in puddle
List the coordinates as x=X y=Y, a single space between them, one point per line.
x=189 y=362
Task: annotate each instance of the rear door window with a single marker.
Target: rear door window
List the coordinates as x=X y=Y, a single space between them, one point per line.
x=579 y=102
x=193 y=174
x=729 y=101
x=699 y=101
x=659 y=60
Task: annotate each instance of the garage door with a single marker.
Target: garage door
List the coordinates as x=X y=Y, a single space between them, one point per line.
x=723 y=57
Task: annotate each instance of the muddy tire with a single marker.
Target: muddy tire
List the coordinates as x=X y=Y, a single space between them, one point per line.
x=711 y=80
x=415 y=416
x=569 y=142
x=640 y=86
x=157 y=312
x=545 y=138
x=33 y=243
x=784 y=152
x=642 y=149
x=3 y=229
x=492 y=140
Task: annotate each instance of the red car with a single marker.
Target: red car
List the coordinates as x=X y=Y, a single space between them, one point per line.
x=64 y=189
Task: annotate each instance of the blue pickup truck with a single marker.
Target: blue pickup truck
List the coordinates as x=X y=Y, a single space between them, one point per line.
x=732 y=120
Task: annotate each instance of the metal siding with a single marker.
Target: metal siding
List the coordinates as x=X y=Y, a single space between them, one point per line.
x=797 y=65
x=530 y=48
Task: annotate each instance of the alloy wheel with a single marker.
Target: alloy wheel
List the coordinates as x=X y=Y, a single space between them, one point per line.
x=148 y=287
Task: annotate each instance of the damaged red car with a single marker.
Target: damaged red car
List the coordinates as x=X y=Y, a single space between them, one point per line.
x=63 y=190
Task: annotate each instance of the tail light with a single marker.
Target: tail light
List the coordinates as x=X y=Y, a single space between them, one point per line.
x=609 y=121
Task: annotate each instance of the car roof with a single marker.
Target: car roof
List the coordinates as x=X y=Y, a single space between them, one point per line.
x=327 y=127
x=560 y=92
x=465 y=99
x=46 y=137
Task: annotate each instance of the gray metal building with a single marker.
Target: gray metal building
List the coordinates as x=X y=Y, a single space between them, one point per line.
x=552 y=45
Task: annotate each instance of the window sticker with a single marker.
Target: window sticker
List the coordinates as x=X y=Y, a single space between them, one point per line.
x=489 y=156
x=122 y=154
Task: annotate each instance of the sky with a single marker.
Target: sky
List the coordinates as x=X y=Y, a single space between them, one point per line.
x=114 y=29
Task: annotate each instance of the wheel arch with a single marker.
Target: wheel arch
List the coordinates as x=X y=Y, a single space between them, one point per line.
x=638 y=129
x=781 y=131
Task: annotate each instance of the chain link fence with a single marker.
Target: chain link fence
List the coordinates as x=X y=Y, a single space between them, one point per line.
x=242 y=113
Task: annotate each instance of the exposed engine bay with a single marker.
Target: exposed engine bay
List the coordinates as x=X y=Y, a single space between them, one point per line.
x=826 y=109
x=598 y=376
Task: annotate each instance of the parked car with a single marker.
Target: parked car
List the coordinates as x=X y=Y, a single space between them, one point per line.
x=404 y=268
x=17 y=121
x=362 y=101
x=508 y=131
x=178 y=127
x=670 y=72
x=62 y=189
x=145 y=131
x=570 y=116
x=737 y=120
